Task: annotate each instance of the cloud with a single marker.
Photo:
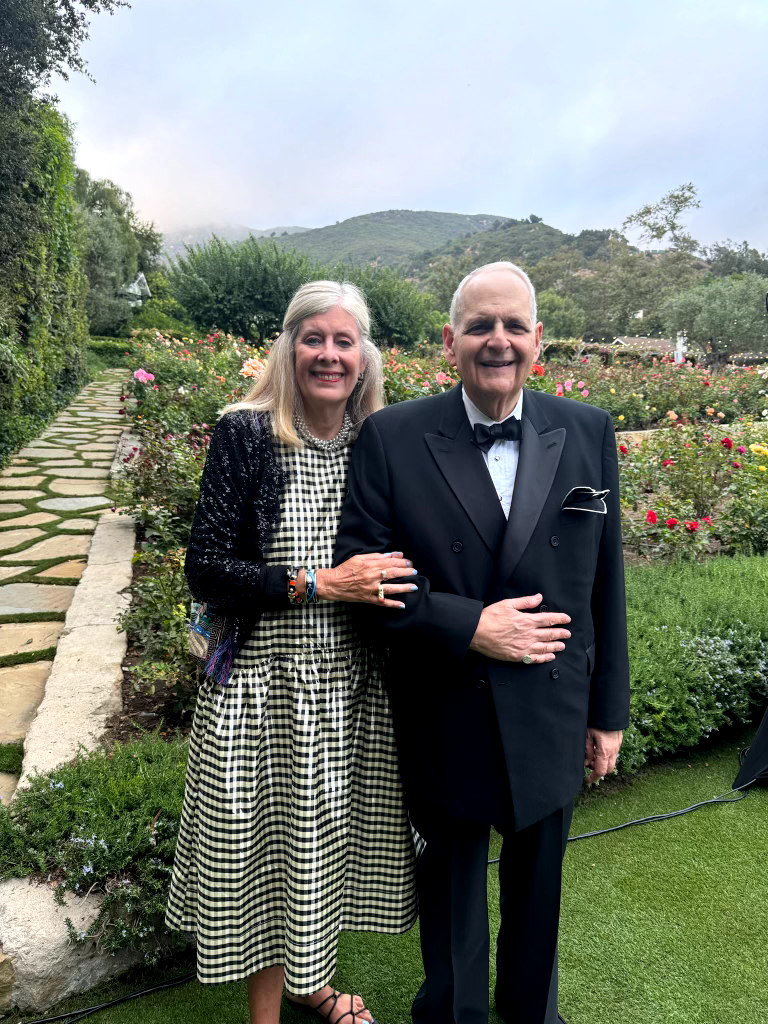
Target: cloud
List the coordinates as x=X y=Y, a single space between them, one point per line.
x=302 y=113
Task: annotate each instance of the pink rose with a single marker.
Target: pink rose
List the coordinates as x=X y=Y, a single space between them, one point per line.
x=585 y=392
x=568 y=385
x=580 y=384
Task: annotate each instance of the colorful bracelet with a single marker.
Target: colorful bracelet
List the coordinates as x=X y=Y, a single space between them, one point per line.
x=294 y=597
x=311 y=595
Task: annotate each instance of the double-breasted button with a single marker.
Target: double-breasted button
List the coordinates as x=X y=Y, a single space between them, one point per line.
x=481 y=684
x=457 y=546
x=554 y=541
x=555 y=673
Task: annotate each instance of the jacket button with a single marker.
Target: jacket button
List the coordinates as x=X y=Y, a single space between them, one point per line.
x=481 y=684
x=554 y=541
x=457 y=546
x=544 y=608
x=555 y=673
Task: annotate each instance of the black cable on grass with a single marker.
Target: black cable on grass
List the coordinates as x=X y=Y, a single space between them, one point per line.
x=722 y=799
x=82 y=1013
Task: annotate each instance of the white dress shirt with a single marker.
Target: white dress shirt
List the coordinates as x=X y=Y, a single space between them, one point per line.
x=502 y=457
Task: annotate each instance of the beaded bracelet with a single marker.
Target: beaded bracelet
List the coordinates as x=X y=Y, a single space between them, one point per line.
x=294 y=597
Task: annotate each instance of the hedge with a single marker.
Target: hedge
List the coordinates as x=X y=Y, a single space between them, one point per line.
x=42 y=285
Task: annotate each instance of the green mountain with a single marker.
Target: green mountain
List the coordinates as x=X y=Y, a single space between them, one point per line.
x=387 y=238
x=518 y=241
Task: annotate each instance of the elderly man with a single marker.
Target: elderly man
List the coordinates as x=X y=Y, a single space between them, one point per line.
x=510 y=660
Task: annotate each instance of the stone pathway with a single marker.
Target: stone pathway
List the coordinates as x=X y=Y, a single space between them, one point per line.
x=51 y=497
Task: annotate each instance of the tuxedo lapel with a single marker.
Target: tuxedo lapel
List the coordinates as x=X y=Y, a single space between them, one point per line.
x=462 y=464
x=540 y=451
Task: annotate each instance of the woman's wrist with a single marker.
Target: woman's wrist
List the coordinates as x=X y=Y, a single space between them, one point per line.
x=324 y=583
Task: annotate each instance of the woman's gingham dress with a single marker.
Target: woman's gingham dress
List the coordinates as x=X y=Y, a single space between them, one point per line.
x=293 y=826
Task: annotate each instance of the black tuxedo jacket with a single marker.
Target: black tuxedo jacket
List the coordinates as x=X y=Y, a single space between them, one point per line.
x=419 y=484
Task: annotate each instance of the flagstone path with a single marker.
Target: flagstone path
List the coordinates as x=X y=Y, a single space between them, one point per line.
x=51 y=497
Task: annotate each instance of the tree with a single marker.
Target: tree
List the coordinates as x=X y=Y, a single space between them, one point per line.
x=657 y=221
x=242 y=287
x=561 y=316
x=40 y=38
x=724 y=316
x=726 y=258
x=401 y=314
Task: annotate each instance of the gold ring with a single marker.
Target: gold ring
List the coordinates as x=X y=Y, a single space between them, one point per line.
x=381 y=595
x=383 y=574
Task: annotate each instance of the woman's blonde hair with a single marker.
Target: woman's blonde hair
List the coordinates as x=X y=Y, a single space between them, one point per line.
x=276 y=390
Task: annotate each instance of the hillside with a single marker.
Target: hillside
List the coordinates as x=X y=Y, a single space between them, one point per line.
x=389 y=238
x=519 y=241
x=175 y=241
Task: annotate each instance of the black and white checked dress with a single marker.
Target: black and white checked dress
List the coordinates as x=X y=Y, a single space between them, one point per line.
x=293 y=826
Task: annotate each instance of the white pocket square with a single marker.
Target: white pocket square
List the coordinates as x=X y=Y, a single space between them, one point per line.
x=585 y=499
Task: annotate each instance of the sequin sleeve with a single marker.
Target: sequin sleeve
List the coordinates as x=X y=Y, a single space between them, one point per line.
x=238 y=506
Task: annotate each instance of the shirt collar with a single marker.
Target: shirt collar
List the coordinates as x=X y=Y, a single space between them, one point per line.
x=475 y=416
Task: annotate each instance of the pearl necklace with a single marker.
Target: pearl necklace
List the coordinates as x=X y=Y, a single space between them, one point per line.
x=332 y=444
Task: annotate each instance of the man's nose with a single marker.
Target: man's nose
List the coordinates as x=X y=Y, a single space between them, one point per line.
x=498 y=336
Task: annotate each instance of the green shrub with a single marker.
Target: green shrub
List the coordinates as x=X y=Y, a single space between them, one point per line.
x=107 y=822
x=697 y=641
x=157 y=624
x=11 y=756
x=164 y=315
x=42 y=285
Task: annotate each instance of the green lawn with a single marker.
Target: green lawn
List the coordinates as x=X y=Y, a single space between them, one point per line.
x=662 y=924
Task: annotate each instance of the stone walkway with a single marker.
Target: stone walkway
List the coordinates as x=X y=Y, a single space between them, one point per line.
x=51 y=497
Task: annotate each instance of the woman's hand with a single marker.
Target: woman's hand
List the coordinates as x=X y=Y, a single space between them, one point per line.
x=359 y=578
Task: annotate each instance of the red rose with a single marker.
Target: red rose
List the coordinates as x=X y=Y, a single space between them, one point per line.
x=707 y=520
x=672 y=523
x=650 y=517
x=691 y=525
x=668 y=462
x=737 y=465
x=727 y=443
x=623 y=449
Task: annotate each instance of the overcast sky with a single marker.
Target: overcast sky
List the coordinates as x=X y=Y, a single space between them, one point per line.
x=307 y=112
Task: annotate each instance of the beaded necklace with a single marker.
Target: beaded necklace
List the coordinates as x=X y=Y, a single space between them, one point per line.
x=332 y=444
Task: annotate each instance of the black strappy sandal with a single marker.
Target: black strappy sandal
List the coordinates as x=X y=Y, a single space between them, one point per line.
x=325 y=1016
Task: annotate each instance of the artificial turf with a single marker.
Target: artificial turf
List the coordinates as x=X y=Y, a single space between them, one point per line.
x=662 y=924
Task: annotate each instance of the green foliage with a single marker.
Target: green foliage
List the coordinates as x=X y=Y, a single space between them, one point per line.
x=242 y=288
x=160 y=483
x=157 y=624
x=724 y=316
x=11 y=756
x=560 y=315
x=164 y=315
x=42 y=318
x=697 y=658
x=401 y=314
x=106 y=822
x=662 y=220
x=727 y=258
x=40 y=38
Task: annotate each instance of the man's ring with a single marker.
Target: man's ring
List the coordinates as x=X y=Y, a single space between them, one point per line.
x=381 y=594
x=527 y=659
x=383 y=574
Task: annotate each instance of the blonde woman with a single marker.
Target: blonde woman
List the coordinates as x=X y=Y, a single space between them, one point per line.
x=293 y=826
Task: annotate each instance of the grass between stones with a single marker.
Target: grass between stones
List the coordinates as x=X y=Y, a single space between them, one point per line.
x=11 y=756
x=662 y=924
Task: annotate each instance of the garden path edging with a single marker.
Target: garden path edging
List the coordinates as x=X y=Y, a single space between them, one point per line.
x=39 y=965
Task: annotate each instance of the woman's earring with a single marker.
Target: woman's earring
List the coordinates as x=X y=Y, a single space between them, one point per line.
x=360 y=378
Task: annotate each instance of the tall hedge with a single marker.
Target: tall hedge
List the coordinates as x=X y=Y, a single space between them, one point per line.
x=43 y=325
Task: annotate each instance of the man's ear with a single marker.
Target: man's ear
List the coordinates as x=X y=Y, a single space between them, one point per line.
x=448 y=343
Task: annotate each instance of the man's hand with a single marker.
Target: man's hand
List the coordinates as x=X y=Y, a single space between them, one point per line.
x=602 y=750
x=508 y=632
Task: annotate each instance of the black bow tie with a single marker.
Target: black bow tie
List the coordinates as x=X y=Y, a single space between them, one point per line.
x=509 y=430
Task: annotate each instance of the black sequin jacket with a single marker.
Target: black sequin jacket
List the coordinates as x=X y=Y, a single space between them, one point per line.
x=238 y=510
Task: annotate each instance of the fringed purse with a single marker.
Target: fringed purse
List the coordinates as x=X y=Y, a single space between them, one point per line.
x=213 y=641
